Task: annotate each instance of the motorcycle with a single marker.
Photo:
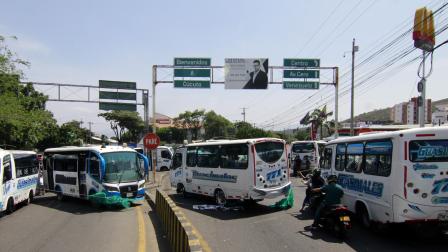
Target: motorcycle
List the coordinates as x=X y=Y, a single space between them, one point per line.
x=334 y=218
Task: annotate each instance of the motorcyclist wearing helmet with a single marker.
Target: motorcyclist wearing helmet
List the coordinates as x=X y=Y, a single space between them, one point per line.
x=316 y=181
x=333 y=194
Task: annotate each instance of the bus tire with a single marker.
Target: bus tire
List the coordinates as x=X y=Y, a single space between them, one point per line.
x=164 y=168
x=220 y=197
x=30 y=197
x=363 y=215
x=10 y=206
x=180 y=188
x=59 y=196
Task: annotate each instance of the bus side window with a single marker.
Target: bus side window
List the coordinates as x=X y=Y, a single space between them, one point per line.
x=326 y=159
x=177 y=161
x=234 y=156
x=7 y=169
x=378 y=158
x=340 y=157
x=166 y=154
x=208 y=156
x=354 y=157
x=191 y=157
x=94 y=167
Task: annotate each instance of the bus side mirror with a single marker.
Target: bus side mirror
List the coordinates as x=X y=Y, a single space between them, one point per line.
x=145 y=162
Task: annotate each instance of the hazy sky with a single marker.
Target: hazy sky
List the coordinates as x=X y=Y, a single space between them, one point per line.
x=83 y=41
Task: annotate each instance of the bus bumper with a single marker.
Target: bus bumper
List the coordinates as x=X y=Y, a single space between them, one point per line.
x=269 y=193
x=409 y=212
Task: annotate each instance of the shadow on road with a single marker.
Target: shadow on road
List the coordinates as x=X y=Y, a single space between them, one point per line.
x=71 y=205
x=392 y=237
x=235 y=211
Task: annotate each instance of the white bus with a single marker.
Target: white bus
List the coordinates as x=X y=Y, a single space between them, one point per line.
x=83 y=171
x=395 y=177
x=19 y=177
x=311 y=150
x=251 y=170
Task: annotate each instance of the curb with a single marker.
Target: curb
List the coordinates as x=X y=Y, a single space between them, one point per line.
x=180 y=232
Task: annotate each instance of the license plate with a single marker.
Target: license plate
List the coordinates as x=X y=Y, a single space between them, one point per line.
x=129 y=194
x=443 y=217
x=344 y=218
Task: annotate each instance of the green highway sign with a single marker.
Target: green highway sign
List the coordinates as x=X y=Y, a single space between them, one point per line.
x=118 y=95
x=307 y=74
x=191 y=84
x=191 y=72
x=118 y=106
x=301 y=62
x=301 y=85
x=118 y=84
x=192 y=62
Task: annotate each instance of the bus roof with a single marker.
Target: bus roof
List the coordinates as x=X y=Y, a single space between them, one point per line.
x=4 y=152
x=239 y=141
x=97 y=148
x=309 y=141
x=392 y=134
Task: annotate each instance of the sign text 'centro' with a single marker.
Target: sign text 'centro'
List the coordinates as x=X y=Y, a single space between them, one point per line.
x=301 y=62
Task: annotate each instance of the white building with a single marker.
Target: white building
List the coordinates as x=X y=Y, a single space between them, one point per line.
x=440 y=117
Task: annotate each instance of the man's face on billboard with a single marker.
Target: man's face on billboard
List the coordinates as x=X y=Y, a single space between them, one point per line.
x=257 y=66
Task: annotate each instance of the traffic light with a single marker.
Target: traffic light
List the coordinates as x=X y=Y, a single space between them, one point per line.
x=423 y=35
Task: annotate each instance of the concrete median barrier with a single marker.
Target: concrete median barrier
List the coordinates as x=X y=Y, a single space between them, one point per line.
x=177 y=227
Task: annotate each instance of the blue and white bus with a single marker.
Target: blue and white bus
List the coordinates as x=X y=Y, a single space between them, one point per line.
x=19 y=177
x=83 y=171
x=393 y=177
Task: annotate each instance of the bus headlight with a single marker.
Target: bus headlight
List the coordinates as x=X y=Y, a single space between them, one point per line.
x=424 y=195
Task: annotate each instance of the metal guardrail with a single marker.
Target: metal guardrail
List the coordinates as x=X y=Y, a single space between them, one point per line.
x=178 y=228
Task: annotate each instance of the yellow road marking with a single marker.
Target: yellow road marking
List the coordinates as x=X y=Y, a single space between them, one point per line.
x=202 y=241
x=141 y=231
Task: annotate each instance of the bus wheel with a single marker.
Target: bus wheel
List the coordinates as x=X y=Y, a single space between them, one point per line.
x=220 y=197
x=59 y=196
x=180 y=188
x=363 y=215
x=30 y=198
x=10 y=206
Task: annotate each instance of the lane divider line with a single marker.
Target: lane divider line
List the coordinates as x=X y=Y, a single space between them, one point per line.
x=141 y=231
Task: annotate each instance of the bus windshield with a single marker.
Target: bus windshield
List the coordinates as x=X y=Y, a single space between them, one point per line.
x=303 y=148
x=269 y=152
x=122 y=167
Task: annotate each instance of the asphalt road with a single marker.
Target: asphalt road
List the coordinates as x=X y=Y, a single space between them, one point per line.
x=74 y=225
x=263 y=228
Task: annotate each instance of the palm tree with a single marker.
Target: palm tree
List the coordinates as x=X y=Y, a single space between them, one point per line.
x=318 y=119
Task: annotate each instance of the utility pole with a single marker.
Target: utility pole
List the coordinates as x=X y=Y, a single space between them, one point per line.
x=422 y=99
x=90 y=132
x=352 y=112
x=244 y=114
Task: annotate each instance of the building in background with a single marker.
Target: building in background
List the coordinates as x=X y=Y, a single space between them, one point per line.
x=399 y=113
x=440 y=116
x=408 y=112
x=163 y=121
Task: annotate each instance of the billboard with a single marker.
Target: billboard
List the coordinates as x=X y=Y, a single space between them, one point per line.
x=246 y=73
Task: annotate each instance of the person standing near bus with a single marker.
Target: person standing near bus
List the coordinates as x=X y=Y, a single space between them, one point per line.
x=297 y=166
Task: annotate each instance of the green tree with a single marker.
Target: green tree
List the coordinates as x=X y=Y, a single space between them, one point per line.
x=24 y=122
x=216 y=125
x=127 y=125
x=10 y=63
x=191 y=121
x=246 y=130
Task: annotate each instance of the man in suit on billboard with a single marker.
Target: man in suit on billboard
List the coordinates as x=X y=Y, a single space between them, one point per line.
x=258 y=78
